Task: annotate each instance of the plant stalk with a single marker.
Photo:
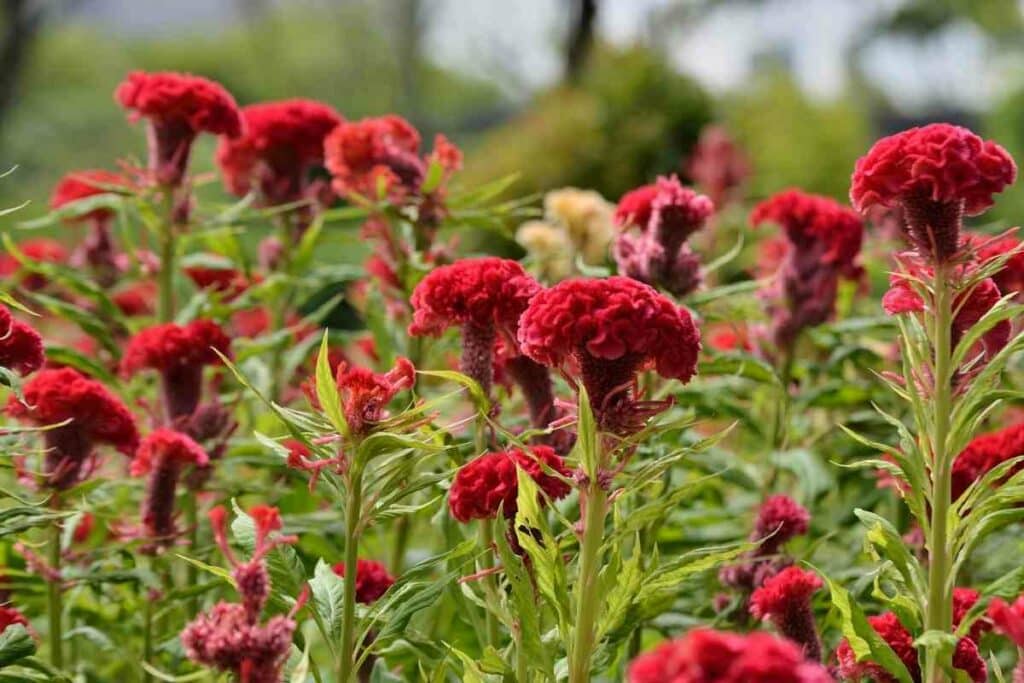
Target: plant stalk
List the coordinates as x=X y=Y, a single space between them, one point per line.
x=166 y=274
x=55 y=594
x=490 y=585
x=939 y=613
x=595 y=500
x=346 y=667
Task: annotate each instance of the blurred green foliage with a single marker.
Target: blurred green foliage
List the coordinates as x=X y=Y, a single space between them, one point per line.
x=66 y=117
x=630 y=117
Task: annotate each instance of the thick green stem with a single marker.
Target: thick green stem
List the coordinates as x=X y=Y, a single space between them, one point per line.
x=55 y=595
x=166 y=275
x=939 y=614
x=346 y=667
x=595 y=500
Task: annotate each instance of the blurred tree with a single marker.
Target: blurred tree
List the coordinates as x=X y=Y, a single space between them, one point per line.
x=581 y=37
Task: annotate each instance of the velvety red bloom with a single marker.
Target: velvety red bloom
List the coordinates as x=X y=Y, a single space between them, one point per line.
x=1010 y=278
x=163 y=455
x=228 y=281
x=372 y=580
x=604 y=331
x=963 y=600
x=365 y=394
x=283 y=141
x=491 y=481
x=179 y=353
x=10 y=616
x=785 y=600
x=779 y=519
x=717 y=164
x=985 y=452
x=383 y=152
x=967 y=658
x=178 y=107
x=894 y=633
x=657 y=255
x=89 y=183
x=39 y=249
x=484 y=297
x=96 y=416
x=707 y=656
x=21 y=347
x=823 y=241
x=935 y=173
x=136 y=299
x=1008 y=619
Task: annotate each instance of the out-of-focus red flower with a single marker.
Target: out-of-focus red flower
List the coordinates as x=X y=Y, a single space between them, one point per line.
x=823 y=241
x=894 y=633
x=21 y=347
x=365 y=394
x=604 y=331
x=484 y=297
x=84 y=528
x=724 y=337
x=718 y=165
x=10 y=616
x=935 y=173
x=178 y=353
x=88 y=183
x=780 y=519
x=491 y=481
x=39 y=249
x=1009 y=278
x=163 y=455
x=708 y=656
x=94 y=416
x=1008 y=619
x=372 y=580
x=224 y=280
x=136 y=299
x=178 y=107
x=963 y=600
x=985 y=452
x=634 y=208
x=282 y=143
x=785 y=600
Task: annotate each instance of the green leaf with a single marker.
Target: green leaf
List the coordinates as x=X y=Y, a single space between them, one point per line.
x=328 y=597
x=587 y=448
x=327 y=391
x=863 y=639
x=15 y=643
x=526 y=612
x=739 y=365
x=887 y=542
x=480 y=400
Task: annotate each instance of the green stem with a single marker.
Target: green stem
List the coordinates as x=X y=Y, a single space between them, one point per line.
x=166 y=274
x=780 y=417
x=147 y=638
x=595 y=500
x=939 y=613
x=191 y=571
x=490 y=585
x=346 y=665
x=403 y=527
x=55 y=595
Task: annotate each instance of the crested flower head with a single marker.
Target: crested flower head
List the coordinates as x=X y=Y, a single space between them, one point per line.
x=178 y=107
x=365 y=394
x=604 y=331
x=169 y=345
x=372 y=580
x=163 y=454
x=707 y=656
x=94 y=415
x=166 y=445
x=785 y=600
x=227 y=640
x=936 y=174
x=282 y=142
x=779 y=519
x=84 y=184
x=1009 y=278
x=985 y=452
x=491 y=481
x=665 y=208
x=893 y=632
x=223 y=279
x=718 y=165
x=814 y=222
x=21 y=347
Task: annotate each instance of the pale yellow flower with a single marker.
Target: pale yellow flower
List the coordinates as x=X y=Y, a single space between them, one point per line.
x=550 y=248
x=586 y=217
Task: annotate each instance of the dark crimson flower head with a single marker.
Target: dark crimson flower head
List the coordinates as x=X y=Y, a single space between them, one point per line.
x=604 y=331
x=814 y=221
x=717 y=164
x=707 y=656
x=88 y=183
x=95 y=416
x=779 y=519
x=491 y=481
x=372 y=580
x=893 y=632
x=225 y=280
x=163 y=454
x=163 y=445
x=39 y=249
x=1009 y=278
x=178 y=107
x=282 y=142
x=985 y=452
x=21 y=347
x=963 y=600
x=785 y=600
x=365 y=394
x=935 y=173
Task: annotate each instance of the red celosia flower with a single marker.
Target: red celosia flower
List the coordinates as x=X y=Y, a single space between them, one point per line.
x=785 y=599
x=1009 y=278
x=491 y=481
x=365 y=394
x=901 y=641
x=84 y=528
x=963 y=600
x=936 y=174
x=10 y=616
x=707 y=656
x=604 y=331
x=21 y=347
x=178 y=107
x=967 y=658
x=372 y=580
x=136 y=299
x=1008 y=619
x=658 y=255
x=88 y=183
x=163 y=455
x=96 y=416
x=779 y=519
x=41 y=250
x=283 y=141
x=985 y=452
x=227 y=280
x=179 y=353
x=717 y=164
x=823 y=242
x=484 y=297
